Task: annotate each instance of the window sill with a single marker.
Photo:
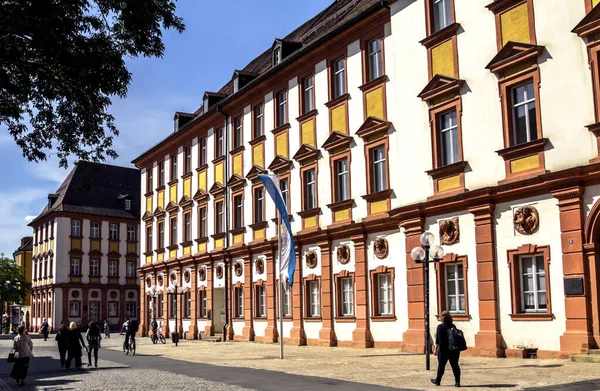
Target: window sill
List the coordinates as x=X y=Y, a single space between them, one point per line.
x=308 y=115
x=439 y=36
x=309 y=212
x=458 y=317
x=383 y=318
x=340 y=205
x=202 y=240
x=148 y=194
x=315 y=319
x=173 y=182
x=257 y=140
x=532 y=317
x=219 y=235
x=237 y=150
x=258 y=226
x=290 y=217
x=380 y=195
x=448 y=170
x=237 y=231
x=345 y=319
x=260 y=319
x=336 y=101
x=374 y=83
x=218 y=160
x=172 y=247
x=520 y=150
x=186 y=243
x=281 y=128
x=186 y=175
x=202 y=167
x=149 y=253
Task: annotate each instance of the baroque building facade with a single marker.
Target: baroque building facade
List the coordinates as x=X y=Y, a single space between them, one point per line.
x=23 y=259
x=476 y=120
x=85 y=248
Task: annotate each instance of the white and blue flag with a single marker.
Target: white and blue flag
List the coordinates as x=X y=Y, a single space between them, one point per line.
x=288 y=250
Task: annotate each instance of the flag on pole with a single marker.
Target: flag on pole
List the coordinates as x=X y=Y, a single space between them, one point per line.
x=288 y=251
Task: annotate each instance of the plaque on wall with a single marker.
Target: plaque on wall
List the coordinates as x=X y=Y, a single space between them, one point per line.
x=573 y=286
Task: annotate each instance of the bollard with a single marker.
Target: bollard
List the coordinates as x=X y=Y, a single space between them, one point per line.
x=175 y=338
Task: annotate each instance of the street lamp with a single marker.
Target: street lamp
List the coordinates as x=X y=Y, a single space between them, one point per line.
x=153 y=296
x=421 y=255
x=172 y=289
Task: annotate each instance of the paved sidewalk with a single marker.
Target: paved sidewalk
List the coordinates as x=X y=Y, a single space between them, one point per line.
x=384 y=367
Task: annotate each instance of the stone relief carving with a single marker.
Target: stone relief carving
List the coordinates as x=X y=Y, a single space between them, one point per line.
x=159 y=280
x=449 y=231
x=113 y=295
x=219 y=271
x=380 y=248
x=260 y=266
x=343 y=254
x=311 y=259
x=131 y=295
x=94 y=294
x=202 y=274
x=239 y=268
x=187 y=275
x=148 y=281
x=526 y=220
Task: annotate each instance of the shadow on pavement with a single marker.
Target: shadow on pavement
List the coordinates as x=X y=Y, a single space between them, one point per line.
x=577 y=386
x=489 y=386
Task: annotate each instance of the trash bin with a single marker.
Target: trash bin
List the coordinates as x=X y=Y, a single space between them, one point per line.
x=175 y=338
x=202 y=335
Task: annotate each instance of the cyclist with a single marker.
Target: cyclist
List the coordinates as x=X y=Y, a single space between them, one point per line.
x=132 y=328
x=154 y=327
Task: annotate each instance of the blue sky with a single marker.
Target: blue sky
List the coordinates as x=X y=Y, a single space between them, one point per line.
x=220 y=36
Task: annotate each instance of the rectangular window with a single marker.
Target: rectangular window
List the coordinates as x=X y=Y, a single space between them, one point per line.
x=131 y=234
x=188 y=227
x=75 y=267
x=187 y=299
x=384 y=286
x=202 y=301
x=533 y=288
x=173 y=306
x=523 y=114
x=282 y=108
x=375 y=59
x=130 y=269
x=259 y=205
x=149 y=179
x=161 y=234
x=127 y=204
x=113 y=232
x=308 y=97
x=238 y=212
x=237 y=132
x=113 y=268
x=94 y=268
x=130 y=311
x=203 y=223
x=113 y=309
x=76 y=228
x=261 y=301
x=310 y=190
x=277 y=55
x=188 y=160
x=203 y=158
x=378 y=179
x=347 y=296
x=220 y=217
x=448 y=137
x=75 y=308
x=342 y=189
x=239 y=302
x=258 y=121
x=161 y=174
x=284 y=187
x=173 y=232
x=95 y=230
x=219 y=143
x=314 y=299
x=94 y=311
x=149 y=238
x=287 y=300
x=455 y=288
x=160 y=309
x=173 y=167
x=339 y=78
x=442 y=14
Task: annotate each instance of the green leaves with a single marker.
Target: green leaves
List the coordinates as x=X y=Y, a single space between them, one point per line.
x=62 y=61
x=13 y=285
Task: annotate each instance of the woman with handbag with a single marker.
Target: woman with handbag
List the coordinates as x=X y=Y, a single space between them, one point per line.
x=74 y=347
x=93 y=337
x=63 y=344
x=22 y=347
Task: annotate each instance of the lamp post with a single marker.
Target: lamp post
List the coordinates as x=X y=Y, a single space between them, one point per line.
x=172 y=289
x=421 y=255
x=153 y=296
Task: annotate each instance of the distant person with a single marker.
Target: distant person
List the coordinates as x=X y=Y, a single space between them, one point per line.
x=23 y=352
x=74 y=346
x=45 y=329
x=63 y=344
x=93 y=338
x=106 y=328
x=444 y=351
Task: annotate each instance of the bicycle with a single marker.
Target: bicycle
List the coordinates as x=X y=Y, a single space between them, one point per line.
x=158 y=336
x=129 y=345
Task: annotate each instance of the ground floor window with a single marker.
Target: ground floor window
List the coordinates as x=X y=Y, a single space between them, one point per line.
x=159 y=305
x=130 y=309
x=261 y=301
x=202 y=303
x=94 y=311
x=187 y=297
x=113 y=309
x=239 y=302
x=314 y=299
x=75 y=308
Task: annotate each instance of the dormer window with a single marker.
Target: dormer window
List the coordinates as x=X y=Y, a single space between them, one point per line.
x=127 y=204
x=276 y=55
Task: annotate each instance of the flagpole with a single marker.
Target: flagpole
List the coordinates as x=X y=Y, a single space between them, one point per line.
x=280 y=282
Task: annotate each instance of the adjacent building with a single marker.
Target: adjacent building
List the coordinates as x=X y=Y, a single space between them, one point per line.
x=85 y=248
x=23 y=259
x=476 y=120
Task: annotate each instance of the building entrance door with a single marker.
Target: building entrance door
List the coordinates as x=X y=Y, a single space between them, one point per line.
x=218 y=309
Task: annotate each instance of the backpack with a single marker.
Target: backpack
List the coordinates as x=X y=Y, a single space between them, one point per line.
x=133 y=326
x=456 y=340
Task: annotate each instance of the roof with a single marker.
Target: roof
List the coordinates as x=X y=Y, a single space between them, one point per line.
x=26 y=244
x=335 y=17
x=97 y=189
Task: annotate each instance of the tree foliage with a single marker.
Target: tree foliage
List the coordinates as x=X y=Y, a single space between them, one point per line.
x=13 y=285
x=61 y=61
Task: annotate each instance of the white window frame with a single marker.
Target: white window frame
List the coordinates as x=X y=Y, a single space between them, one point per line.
x=457 y=282
x=131 y=233
x=314 y=299
x=220 y=217
x=94 y=268
x=94 y=311
x=261 y=310
x=113 y=268
x=310 y=188
x=202 y=299
x=113 y=231
x=130 y=310
x=287 y=300
x=75 y=228
x=449 y=157
x=238 y=221
x=75 y=266
x=219 y=141
x=258 y=121
x=385 y=294
x=173 y=231
x=379 y=169
x=285 y=191
x=527 y=101
x=282 y=113
x=339 y=78
x=203 y=222
x=441 y=19
x=536 y=290
x=375 y=58
x=259 y=205
x=237 y=132
x=130 y=266
x=113 y=309
x=308 y=97
x=187 y=219
x=95 y=230
x=342 y=176
x=347 y=296
x=127 y=204
x=239 y=302
x=203 y=156
x=75 y=308
x=188 y=159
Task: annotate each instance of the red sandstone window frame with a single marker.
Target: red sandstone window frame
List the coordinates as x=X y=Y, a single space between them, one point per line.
x=279 y=121
x=239 y=287
x=337 y=280
x=374 y=275
x=202 y=304
x=116 y=306
x=514 y=265
x=131 y=312
x=255 y=119
x=93 y=258
x=187 y=228
x=186 y=299
x=161 y=173
x=257 y=286
x=160 y=305
x=202 y=151
x=173 y=167
x=308 y=298
x=149 y=178
x=504 y=6
x=71 y=313
x=203 y=225
x=237 y=221
x=369 y=36
x=429 y=16
x=173 y=233
x=237 y=139
x=440 y=268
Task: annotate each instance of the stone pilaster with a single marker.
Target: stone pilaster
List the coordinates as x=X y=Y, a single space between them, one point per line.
x=297 y=334
x=193 y=328
x=271 y=333
x=414 y=337
x=248 y=331
x=209 y=329
x=361 y=336
x=327 y=334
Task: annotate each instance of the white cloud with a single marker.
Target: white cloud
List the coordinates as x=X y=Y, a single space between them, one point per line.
x=14 y=205
x=48 y=171
x=29 y=219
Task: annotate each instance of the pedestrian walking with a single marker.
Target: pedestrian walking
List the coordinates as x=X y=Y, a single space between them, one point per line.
x=93 y=338
x=63 y=344
x=447 y=349
x=45 y=329
x=74 y=346
x=23 y=348
x=106 y=328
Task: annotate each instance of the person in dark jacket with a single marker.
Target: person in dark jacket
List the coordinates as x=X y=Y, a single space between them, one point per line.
x=45 y=327
x=444 y=354
x=63 y=344
x=93 y=338
x=74 y=347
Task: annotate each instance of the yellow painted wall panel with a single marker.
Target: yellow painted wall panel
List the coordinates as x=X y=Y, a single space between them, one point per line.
x=149 y=204
x=515 y=25
x=173 y=193
x=238 y=238
x=379 y=206
x=442 y=59
x=131 y=248
x=237 y=164
x=342 y=215
x=187 y=187
x=282 y=144
x=310 y=222
x=258 y=155
x=187 y=250
x=149 y=259
x=161 y=256
x=95 y=245
x=161 y=199
x=595 y=2
x=338 y=119
x=374 y=102
x=52 y=244
x=114 y=246
x=526 y=163
x=259 y=234
x=76 y=244
x=308 y=132
x=202 y=180
x=219 y=173
x=219 y=243
x=173 y=254
x=449 y=183
x=201 y=247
